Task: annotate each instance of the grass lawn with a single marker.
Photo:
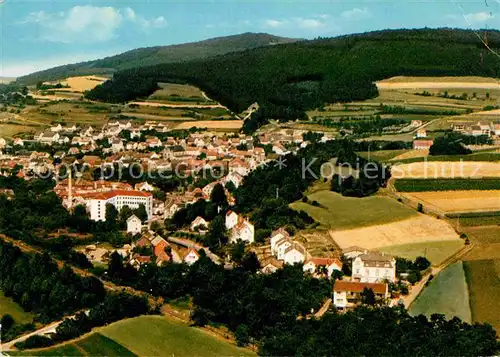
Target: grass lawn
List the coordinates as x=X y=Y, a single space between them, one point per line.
x=93 y=345
x=484 y=286
x=157 y=336
x=436 y=252
x=446 y=294
x=8 y=306
x=382 y=155
x=423 y=185
x=338 y=212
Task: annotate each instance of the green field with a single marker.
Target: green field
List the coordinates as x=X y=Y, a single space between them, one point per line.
x=8 y=306
x=157 y=336
x=482 y=156
x=484 y=285
x=424 y=185
x=436 y=252
x=338 y=212
x=93 y=345
x=446 y=294
x=145 y=336
x=382 y=155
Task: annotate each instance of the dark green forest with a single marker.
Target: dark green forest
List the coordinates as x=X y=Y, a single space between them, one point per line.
x=288 y=79
x=149 y=56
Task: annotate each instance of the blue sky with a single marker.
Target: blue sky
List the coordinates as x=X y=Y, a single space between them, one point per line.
x=37 y=34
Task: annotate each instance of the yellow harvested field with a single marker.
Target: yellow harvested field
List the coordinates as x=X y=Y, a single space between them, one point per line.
x=445 y=169
x=82 y=84
x=402 y=82
x=411 y=155
x=212 y=124
x=495 y=112
x=412 y=230
x=183 y=105
x=459 y=201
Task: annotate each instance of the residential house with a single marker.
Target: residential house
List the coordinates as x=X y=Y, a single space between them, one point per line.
x=295 y=254
x=199 y=223
x=134 y=224
x=243 y=230
x=231 y=219
x=3 y=143
x=348 y=294
x=373 y=268
x=191 y=257
x=421 y=133
x=313 y=266
x=353 y=252
x=280 y=247
x=422 y=144
x=276 y=236
x=18 y=142
x=270 y=265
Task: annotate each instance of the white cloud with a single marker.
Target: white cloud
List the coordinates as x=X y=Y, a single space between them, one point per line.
x=274 y=23
x=479 y=17
x=310 y=23
x=356 y=14
x=157 y=22
x=87 y=24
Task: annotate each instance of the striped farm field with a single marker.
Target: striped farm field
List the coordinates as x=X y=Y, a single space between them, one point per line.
x=422 y=185
x=459 y=201
x=447 y=169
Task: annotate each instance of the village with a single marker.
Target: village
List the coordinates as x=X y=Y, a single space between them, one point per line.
x=148 y=146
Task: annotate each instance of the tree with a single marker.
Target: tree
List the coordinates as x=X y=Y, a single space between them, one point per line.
x=125 y=213
x=238 y=251
x=7 y=322
x=250 y=262
x=141 y=213
x=368 y=297
x=422 y=263
x=111 y=214
x=218 y=196
x=242 y=336
x=217 y=233
x=115 y=266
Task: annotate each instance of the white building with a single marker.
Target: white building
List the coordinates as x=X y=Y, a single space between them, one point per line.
x=191 y=257
x=198 y=223
x=348 y=294
x=311 y=266
x=243 y=230
x=280 y=247
x=96 y=203
x=231 y=219
x=276 y=236
x=295 y=254
x=374 y=268
x=134 y=224
x=421 y=133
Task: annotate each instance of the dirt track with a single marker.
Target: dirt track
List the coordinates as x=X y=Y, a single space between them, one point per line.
x=413 y=230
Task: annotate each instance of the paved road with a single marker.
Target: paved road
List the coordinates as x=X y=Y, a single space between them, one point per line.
x=9 y=346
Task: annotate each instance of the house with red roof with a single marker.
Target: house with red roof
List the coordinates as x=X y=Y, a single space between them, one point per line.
x=313 y=266
x=349 y=294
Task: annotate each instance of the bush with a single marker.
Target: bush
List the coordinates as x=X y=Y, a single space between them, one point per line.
x=242 y=336
x=305 y=199
x=420 y=208
x=36 y=341
x=315 y=203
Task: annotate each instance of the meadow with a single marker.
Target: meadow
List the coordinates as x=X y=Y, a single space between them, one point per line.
x=8 y=306
x=144 y=336
x=423 y=185
x=175 y=93
x=436 y=252
x=339 y=212
x=94 y=345
x=444 y=169
x=446 y=294
x=484 y=286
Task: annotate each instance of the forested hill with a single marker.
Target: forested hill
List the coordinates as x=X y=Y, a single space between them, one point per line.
x=159 y=54
x=290 y=78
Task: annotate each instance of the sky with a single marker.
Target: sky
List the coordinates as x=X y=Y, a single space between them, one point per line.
x=40 y=34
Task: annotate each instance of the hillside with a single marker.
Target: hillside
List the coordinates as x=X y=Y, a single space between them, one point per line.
x=160 y=54
x=288 y=79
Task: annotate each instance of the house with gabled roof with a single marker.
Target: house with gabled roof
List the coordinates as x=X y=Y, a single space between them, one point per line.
x=349 y=294
x=314 y=264
x=374 y=267
x=295 y=254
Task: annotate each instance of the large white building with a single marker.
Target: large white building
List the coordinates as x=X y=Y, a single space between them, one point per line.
x=374 y=268
x=96 y=203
